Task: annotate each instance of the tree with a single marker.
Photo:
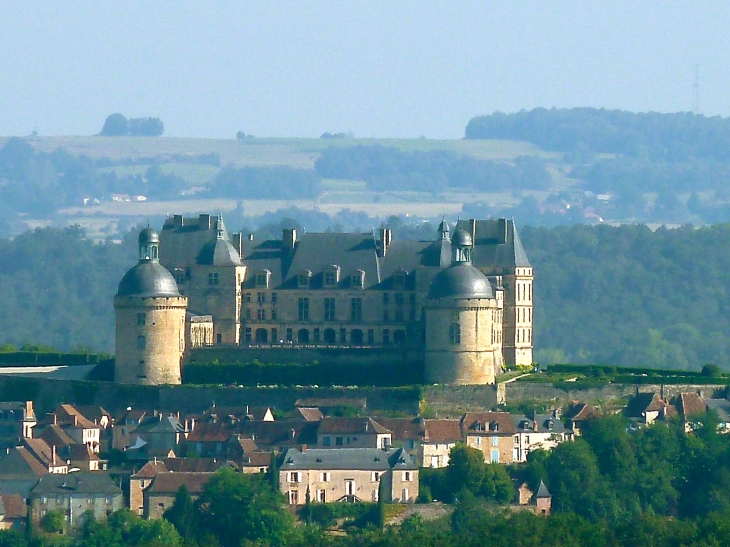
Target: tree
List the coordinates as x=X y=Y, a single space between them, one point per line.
x=236 y=506
x=182 y=514
x=146 y=127
x=116 y=125
x=53 y=522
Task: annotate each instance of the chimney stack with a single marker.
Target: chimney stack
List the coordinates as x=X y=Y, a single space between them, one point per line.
x=237 y=240
x=289 y=237
x=386 y=237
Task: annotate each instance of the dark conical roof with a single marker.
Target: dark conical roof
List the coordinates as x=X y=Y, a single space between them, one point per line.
x=148 y=278
x=219 y=252
x=542 y=491
x=461 y=280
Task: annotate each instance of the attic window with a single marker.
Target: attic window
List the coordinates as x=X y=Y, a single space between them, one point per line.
x=358 y=279
x=399 y=279
x=262 y=279
x=331 y=276
x=303 y=279
x=494 y=426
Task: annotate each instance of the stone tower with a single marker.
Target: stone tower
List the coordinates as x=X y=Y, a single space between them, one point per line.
x=463 y=318
x=150 y=315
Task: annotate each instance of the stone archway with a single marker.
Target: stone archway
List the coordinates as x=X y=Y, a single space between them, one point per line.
x=356 y=337
x=330 y=337
x=262 y=336
x=303 y=336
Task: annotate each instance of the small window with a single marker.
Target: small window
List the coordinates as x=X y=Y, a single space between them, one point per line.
x=294 y=476
x=289 y=335
x=141 y=319
x=339 y=441
x=399 y=299
x=248 y=335
x=273 y=314
x=324 y=476
x=495 y=441
x=356 y=309
x=274 y=334
x=371 y=337
x=406 y=476
x=304 y=309
x=455 y=333
x=247 y=297
x=316 y=335
x=375 y=476
x=261 y=297
x=386 y=336
x=212 y=279
x=326 y=441
x=141 y=343
x=248 y=313
x=273 y=298
x=329 y=309
x=357 y=281
x=261 y=314
x=303 y=279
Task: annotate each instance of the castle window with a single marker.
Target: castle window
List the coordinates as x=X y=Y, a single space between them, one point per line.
x=304 y=309
x=343 y=336
x=179 y=276
x=329 y=309
x=332 y=276
x=141 y=342
x=219 y=338
x=273 y=298
x=399 y=314
x=386 y=337
x=371 y=337
x=455 y=333
x=141 y=319
x=303 y=279
x=399 y=299
x=289 y=335
x=141 y=373
x=356 y=309
x=262 y=278
x=247 y=297
x=273 y=314
x=248 y=335
x=386 y=316
x=358 y=279
x=261 y=314
x=329 y=336
x=212 y=279
x=248 y=313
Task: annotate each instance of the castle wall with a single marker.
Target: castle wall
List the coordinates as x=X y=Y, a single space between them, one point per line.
x=150 y=339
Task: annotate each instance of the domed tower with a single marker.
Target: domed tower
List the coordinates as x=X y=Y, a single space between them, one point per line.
x=150 y=312
x=463 y=322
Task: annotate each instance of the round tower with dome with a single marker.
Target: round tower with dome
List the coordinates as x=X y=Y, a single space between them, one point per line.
x=463 y=318
x=150 y=320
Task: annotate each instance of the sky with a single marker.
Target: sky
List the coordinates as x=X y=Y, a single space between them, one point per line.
x=399 y=69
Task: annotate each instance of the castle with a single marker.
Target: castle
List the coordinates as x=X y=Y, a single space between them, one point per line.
x=463 y=300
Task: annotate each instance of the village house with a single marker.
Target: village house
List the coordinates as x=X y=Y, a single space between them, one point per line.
x=160 y=495
x=578 y=414
x=76 y=426
x=13 y=512
x=348 y=474
x=542 y=432
x=721 y=408
x=440 y=436
x=352 y=433
x=692 y=409
x=76 y=495
x=16 y=422
x=232 y=415
x=490 y=432
x=646 y=408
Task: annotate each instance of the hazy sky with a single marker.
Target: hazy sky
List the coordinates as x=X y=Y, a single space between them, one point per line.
x=377 y=69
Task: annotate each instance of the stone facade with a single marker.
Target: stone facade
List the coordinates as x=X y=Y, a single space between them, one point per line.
x=353 y=291
x=150 y=339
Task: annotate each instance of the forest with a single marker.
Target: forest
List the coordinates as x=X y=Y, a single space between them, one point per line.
x=610 y=487
x=625 y=296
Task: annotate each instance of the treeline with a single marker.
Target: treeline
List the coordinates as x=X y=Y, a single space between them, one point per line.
x=117 y=125
x=264 y=183
x=387 y=168
x=652 y=152
x=629 y=296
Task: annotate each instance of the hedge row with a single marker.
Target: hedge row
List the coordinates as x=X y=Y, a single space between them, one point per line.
x=612 y=370
x=29 y=358
x=296 y=374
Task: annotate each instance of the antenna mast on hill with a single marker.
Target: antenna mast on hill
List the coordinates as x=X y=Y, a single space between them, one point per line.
x=696 y=91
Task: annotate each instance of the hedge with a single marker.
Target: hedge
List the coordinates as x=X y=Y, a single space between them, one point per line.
x=30 y=358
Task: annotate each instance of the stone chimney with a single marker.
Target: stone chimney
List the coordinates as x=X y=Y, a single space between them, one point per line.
x=386 y=237
x=204 y=222
x=289 y=239
x=237 y=240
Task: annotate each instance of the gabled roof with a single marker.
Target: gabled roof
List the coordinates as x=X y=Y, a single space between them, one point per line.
x=19 y=462
x=308 y=414
x=170 y=483
x=150 y=470
x=582 y=411
x=279 y=433
x=331 y=402
x=13 y=506
x=195 y=465
x=363 y=426
x=211 y=433
x=255 y=459
x=691 y=404
x=94 y=413
x=68 y=414
x=642 y=403
x=54 y=435
x=364 y=459
x=42 y=452
x=442 y=431
x=244 y=444
x=80 y=482
x=487 y=423
x=404 y=429
x=81 y=453
x=160 y=424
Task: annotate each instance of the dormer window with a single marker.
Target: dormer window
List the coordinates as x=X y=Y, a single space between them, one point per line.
x=358 y=279
x=262 y=279
x=331 y=276
x=494 y=426
x=303 y=279
x=399 y=279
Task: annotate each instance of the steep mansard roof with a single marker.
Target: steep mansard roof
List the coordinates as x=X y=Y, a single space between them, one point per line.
x=497 y=244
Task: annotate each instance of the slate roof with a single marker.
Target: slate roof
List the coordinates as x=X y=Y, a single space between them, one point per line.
x=351 y=425
x=546 y=423
x=280 y=433
x=219 y=252
x=582 y=411
x=460 y=280
x=497 y=244
x=80 y=482
x=160 y=424
x=369 y=459
x=542 y=491
x=19 y=462
x=442 y=431
x=170 y=483
x=721 y=408
x=482 y=423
